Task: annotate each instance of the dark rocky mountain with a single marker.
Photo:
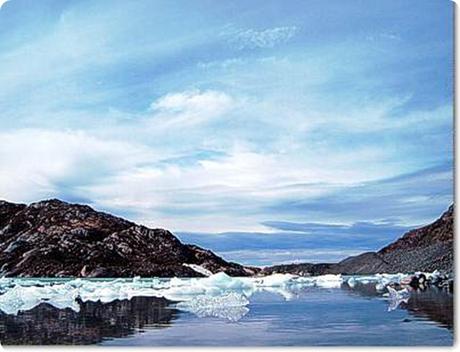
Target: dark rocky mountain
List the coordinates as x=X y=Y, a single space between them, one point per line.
x=427 y=248
x=53 y=238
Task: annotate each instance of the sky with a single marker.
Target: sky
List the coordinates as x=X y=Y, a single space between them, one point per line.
x=268 y=131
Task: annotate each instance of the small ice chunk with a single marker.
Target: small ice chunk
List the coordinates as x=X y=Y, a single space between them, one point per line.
x=434 y=275
x=351 y=282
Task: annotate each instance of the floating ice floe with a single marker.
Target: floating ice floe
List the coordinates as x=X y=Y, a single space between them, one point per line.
x=380 y=280
x=23 y=298
x=24 y=294
x=323 y=281
x=210 y=294
x=329 y=281
x=274 y=280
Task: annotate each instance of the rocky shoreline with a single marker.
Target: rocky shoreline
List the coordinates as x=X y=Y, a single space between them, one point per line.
x=53 y=238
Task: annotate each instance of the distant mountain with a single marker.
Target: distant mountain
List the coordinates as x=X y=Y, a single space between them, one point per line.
x=53 y=238
x=427 y=248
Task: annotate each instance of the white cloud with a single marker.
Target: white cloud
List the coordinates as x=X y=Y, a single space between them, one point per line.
x=36 y=163
x=230 y=191
x=377 y=116
x=190 y=108
x=226 y=193
x=2 y=2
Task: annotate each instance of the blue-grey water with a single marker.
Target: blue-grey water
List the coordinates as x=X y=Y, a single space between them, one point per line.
x=312 y=316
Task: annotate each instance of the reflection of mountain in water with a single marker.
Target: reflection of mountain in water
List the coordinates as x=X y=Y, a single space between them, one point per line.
x=362 y=290
x=431 y=304
x=96 y=321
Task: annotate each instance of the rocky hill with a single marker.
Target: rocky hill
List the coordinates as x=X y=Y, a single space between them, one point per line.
x=53 y=238
x=427 y=248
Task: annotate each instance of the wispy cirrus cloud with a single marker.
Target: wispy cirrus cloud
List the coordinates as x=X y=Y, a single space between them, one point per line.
x=189 y=108
x=364 y=228
x=266 y=38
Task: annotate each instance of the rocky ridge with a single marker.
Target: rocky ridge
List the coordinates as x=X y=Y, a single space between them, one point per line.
x=424 y=249
x=53 y=238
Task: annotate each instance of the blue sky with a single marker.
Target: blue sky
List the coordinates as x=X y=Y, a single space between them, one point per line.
x=269 y=131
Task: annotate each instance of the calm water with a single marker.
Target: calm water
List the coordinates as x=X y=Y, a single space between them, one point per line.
x=312 y=316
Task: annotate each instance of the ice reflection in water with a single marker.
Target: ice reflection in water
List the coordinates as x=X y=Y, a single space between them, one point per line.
x=231 y=306
x=397 y=297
